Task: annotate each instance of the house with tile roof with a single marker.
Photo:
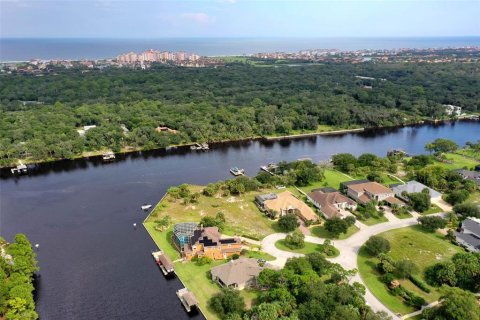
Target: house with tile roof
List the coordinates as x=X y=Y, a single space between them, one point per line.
x=364 y=192
x=331 y=204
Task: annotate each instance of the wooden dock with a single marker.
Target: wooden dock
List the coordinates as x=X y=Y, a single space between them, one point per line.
x=187 y=298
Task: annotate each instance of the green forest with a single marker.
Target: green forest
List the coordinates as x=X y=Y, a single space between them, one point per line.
x=40 y=115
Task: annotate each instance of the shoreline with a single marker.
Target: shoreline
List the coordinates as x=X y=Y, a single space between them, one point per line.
x=89 y=154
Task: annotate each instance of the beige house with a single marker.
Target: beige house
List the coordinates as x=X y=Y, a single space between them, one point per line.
x=239 y=274
x=331 y=204
x=285 y=202
x=367 y=191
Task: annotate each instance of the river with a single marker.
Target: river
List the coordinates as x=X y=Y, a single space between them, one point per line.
x=96 y=265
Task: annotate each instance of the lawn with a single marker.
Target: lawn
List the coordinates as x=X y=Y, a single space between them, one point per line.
x=469 y=152
x=404 y=215
x=259 y=255
x=243 y=218
x=195 y=278
x=421 y=247
x=309 y=248
x=321 y=232
x=458 y=162
x=433 y=209
x=474 y=198
x=372 y=220
x=333 y=178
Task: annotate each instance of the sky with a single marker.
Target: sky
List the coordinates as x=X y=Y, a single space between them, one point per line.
x=238 y=18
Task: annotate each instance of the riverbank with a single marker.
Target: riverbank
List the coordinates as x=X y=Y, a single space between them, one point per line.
x=130 y=150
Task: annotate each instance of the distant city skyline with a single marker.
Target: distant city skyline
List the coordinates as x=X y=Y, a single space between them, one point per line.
x=237 y=18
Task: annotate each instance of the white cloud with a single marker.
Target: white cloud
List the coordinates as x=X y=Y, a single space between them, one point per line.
x=199 y=18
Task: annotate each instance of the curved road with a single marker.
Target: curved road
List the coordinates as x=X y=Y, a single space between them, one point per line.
x=348 y=249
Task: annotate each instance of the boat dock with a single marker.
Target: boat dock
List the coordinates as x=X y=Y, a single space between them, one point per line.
x=163 y=262
x=237 y=172
x=270 y=168
x=21 y=168
x=198 y=146
x=187 y=298
x=108 y=156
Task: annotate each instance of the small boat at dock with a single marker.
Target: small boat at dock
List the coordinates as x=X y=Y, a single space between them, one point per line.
x=108 y=156
x=187 y=298
x=198 y=146
x=270 y=168
x=145 y=207
x=21 y=168
x=163 y=262
x=237 y=172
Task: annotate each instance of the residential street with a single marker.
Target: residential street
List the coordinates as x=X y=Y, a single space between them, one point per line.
x=348 y=250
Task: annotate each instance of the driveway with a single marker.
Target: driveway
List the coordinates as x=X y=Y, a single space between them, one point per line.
x=348 y=252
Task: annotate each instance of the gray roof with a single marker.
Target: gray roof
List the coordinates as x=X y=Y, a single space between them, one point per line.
x=237 y=271
x=471 y=175
x=469 y=238
x=415 y=187
x=473 y=225
x=264 y=197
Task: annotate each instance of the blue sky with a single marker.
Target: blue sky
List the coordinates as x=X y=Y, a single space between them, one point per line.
x=238 y=18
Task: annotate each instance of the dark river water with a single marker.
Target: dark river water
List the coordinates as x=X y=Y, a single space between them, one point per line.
x=95 y=265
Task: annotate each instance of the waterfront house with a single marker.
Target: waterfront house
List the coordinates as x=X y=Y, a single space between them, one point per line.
x=364 y=192
x=470 y=175
x=469 y=236
x=331 y=204
x=402 y=190
x=196 y=241
x=283 y=203
x=238 y=274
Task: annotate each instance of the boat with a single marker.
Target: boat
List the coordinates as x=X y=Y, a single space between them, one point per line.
x=108 y=156
x=145 y=207
x=21 y=168
x=187 y=298
x=236 y=171
x=205 y=146
x=163 y=262
x=196 y=146
x=270 y=168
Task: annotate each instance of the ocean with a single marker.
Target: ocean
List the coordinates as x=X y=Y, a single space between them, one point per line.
x=22 y=49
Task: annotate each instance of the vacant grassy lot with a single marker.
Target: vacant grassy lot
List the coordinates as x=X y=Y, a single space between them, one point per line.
x=458 y=162
x=469 y=153
x=195 y=278
x=243 y=218
x=321 y=232
x=332 y=179
x=309 y=248
x=412 y=243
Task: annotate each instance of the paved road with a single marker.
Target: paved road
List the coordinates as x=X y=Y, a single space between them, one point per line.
x=348 y=251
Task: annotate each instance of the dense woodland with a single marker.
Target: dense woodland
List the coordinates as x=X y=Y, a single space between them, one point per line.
x=17 y=267
x=39 y=115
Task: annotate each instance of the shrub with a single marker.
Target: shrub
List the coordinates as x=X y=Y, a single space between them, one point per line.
x=432 y=223
x=387 y=278
x=288 y=222
x=457 y=196
x=419 y=283
x=201 y=261
x=376 y=245
x=295 y=240
x=227 y=302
